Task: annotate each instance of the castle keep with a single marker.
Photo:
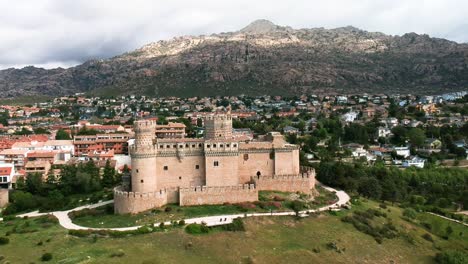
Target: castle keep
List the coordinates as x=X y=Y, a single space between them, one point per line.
x=214 y=170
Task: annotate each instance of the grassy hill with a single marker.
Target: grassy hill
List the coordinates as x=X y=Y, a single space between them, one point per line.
x=316 y=239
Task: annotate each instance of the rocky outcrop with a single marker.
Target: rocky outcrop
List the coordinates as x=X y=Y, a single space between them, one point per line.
x=261 y=58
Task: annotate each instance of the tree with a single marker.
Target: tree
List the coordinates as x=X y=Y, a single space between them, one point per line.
x=399 y=135
x=452 y=257
x=23 y=131
x=417 y=137
x=108 y=176
x=40 y=130
x=62 y=135
x=356 y=133
x=370 y=188
x=23 y=200
x=34 y=183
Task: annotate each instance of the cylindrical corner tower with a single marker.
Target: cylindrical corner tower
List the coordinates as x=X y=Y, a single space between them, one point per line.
x=143 y=154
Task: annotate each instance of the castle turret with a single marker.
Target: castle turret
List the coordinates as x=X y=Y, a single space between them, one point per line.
x=143 y=154
x=218 y=126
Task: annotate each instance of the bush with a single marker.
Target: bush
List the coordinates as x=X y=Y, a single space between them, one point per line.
x=278 y=198
x=236 y=225
x=4 y=240
x=118 y=254
x=297 y=206
x=428 y=226
x=182 y=222
x=428 y=237
x=410 y=213
x=46 y=257
x=197 y=229
x=451 y=257
x=168 y=209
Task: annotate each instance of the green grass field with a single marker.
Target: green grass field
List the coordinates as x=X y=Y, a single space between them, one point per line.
x=105 y=217
x=266 y=240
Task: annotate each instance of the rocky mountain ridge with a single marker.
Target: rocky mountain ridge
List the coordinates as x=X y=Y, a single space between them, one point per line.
x=261 y=58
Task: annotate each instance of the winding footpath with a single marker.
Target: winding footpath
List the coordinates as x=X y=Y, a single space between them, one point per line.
x=66 y=222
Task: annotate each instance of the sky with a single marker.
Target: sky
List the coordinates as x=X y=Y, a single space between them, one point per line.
x=64 y=33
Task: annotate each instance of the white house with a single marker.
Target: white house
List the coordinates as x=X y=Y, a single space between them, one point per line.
x=415 y=162
x=62 y=145
x=383 y=132
x=7 y=171
x=402 y=151
x=349 y=117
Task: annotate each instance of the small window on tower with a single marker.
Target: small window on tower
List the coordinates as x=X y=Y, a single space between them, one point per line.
x=246 y=156
x=180 y=178
x=216 y=163
x=166 y=168
x=197 y=167
x=214 y=145
x=141 y=181
x=235 y=145
x=137 y=170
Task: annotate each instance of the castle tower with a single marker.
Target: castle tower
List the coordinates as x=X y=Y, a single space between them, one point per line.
x=143 y=154
x=218 y=126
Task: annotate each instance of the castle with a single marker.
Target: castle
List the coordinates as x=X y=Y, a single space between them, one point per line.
x=216 y=169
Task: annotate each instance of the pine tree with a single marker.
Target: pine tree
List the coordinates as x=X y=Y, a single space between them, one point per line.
x=108 y=177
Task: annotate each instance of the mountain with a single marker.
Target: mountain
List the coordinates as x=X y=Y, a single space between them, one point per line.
x=262 y=58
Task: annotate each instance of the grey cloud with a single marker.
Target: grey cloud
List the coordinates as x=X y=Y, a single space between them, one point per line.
x=63 y=33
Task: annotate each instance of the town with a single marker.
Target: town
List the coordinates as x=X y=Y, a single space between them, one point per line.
x=396 y=130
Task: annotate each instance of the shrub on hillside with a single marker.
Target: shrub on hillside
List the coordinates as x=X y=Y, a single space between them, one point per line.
x=428 y=237
x=197 y=229
x=46 y=257
x=410 y=213
x=236 y=225
x=452 y=257
x=4 y=240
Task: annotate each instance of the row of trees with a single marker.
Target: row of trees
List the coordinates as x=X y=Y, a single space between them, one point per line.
x=55 y=192
x=441 y=187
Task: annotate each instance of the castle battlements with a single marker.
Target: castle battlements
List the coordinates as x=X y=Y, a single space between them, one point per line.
x=303 y=182
x=219 y=189
x=118 y=191
x=219 y=117
x=284 y=177
x=218 y=194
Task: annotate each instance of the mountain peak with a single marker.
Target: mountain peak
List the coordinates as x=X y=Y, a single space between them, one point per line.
x=259 y=26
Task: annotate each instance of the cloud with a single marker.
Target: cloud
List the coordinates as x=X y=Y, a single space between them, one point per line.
x=63 y=33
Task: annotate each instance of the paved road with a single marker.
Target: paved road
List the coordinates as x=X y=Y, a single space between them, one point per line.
x=66 y=222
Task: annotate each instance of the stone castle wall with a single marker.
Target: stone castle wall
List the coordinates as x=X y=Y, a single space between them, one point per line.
x=3 y=197
x=304 y=182
x=218 y=195
x=135 y=202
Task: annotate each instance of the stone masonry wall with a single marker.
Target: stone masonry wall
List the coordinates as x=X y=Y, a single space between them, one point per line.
x=303 y=182
x=135 y=202
x=3 y=197
x=218 y=195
